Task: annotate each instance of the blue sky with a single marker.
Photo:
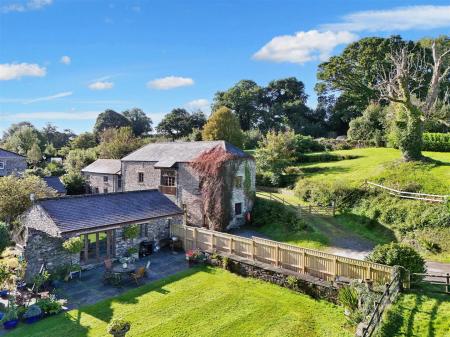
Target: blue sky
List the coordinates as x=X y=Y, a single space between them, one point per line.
x=64 y=61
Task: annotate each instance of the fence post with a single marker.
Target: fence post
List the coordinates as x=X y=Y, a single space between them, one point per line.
x=195 y=238
x=253 y=249
x=333 y=203
x=212 y=241
x=277 y=253
x=335 y=266
x=304 y=261
x=310 y=209
x=448 y=283
x=369 y=272
x=231 y=245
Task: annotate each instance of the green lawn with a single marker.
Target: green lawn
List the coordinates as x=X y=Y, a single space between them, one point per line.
x=371 y=162
x=421 y=315
x=201 y=302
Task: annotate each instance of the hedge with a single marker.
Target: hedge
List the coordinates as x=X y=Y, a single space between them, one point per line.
x=439 y=142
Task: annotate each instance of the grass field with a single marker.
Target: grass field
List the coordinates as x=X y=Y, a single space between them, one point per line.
x=371 y=162
x=201 y=302
x=416 y=314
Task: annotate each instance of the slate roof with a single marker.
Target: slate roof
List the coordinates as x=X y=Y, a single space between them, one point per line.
x=107 y=166
x=81 y=213
x=165 y=154
x=55 y=183
x=9 y=154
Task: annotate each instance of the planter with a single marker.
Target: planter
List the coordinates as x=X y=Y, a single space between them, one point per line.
x=34 y=319
x=4 y=293
x=10 y=324
x=21 y=285
x=135 y=256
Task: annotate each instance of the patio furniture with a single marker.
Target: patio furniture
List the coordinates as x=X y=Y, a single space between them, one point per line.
x=138 y=275
x=119 y=270
x=175 y=243
x=147 y=267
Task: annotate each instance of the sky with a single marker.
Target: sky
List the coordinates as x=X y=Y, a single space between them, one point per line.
x=65 y=61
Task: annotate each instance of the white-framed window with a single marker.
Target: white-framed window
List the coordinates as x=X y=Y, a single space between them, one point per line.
x=2 y=165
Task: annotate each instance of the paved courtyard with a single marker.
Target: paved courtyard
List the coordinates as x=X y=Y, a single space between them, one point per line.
x=90 y=288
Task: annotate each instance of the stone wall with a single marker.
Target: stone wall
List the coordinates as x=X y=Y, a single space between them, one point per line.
x=302 y=283
x=157 y=229
x=13 y=166
x=95 y=180
x=130 y=175
x=41 y=248
x=188 y=193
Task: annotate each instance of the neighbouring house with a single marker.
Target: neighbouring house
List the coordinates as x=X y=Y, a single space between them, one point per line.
x=103 y=176
x=56 y=184
x=100 y=221
x=168 y=167
x=11 y=163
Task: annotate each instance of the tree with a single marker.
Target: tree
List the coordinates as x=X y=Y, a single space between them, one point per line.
x=22 y=139
x=78 y=158
x=276 y=152
x=402 y=82
x=50 y=151
x=117 y=143
x=244 y=99
x=13 y=128
x=15 y=195
x=369 y=128
x=74 y=183
x=180 y=123
x=108 y=120
x=58 y=139
x=34 y=155
x=4 y=237
x=140 y=122
x=223 y=125
x=84 y=140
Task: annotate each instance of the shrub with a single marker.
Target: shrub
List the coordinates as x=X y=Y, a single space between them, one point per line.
x=331 y=144
x=40 y=279
x=251 y=139
x=4 y=236
x=397 y=254
x=304 y=144
x=131 y=232
x=50 y=305
x=370 y=128
x=267 y=212
x=324 y=157
x=118 y=325
x=348 y=297
x=436 y=142
x=73 y=245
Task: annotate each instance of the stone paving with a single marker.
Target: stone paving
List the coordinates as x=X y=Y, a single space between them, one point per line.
x=90 y=289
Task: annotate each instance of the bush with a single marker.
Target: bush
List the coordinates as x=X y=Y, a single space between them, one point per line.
x=268 y=212
x=4 y=236
x=348 y=298
x=439 y=142
x=131 y=232
x=251 y=139
x=370 y=128
x=397 y=254
x=50 y=305
x=32 y=311
x=304 y=144
x=73 y=245
x=118 y=325
x=324 y=157
x=74 y=183
x=331 y=144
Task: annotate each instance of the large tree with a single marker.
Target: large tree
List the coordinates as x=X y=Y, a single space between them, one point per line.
x=77 y=159
x=110 y=119
x=223 y=125
x=22 y=138
x=244 y=99
x=117 y=143
x=58 y=139
x=180 y=123
x=84 y=140
x=140 y=122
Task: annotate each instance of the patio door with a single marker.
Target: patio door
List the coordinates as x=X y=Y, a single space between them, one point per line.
x=97 y=247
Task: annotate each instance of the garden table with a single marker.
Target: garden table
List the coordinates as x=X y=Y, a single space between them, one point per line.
x=119 y=270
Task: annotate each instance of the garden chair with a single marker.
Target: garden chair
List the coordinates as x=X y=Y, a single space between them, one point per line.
x=147 y=268
x=138 y=275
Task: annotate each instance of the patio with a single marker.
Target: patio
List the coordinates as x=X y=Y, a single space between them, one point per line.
x=90 y=288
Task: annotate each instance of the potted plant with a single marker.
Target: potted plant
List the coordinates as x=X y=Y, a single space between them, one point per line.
x=11 y=317
x=40 y=279
x=33 y=314
x=50 y=306
x=133 y=252
x=118 y=327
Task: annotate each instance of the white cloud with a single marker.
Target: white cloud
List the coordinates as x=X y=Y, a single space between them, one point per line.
x=303 y=46
x=395 y=19
x=65 y=59
x=49 y=98
x=31 y=5
x=47 y=116
x=170 y=82
x=11 y=71
x=101 y=85
x=199 y=104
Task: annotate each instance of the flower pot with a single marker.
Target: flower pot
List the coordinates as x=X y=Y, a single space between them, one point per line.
x=31 y=320
x=4 y=293
x=10 y=324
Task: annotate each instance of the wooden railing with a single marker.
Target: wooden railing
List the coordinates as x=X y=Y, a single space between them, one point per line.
x=294 y=258
x=172 y=190
x=411 y=195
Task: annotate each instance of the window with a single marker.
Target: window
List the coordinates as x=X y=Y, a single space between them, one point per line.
x=96 y=190
x=87 y=176
x=2 y=165
x=105 y=179
x=105 y=190
x=119 y=181
x=238 y=208
x=141 y=177
x=168 y=178
x=238 y=182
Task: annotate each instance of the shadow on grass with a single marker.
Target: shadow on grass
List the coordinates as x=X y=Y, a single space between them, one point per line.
x=314 y=170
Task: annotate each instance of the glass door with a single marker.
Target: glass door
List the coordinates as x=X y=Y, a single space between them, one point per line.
x=97 y=247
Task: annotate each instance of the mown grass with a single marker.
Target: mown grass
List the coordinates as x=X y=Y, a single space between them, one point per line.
x=201 y=302
x=418 y=314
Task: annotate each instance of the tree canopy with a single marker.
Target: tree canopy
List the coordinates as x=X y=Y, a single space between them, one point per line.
x=223 y=125
x=110 y=119
x=180 y=123
x=117 y=143
x=140 y=122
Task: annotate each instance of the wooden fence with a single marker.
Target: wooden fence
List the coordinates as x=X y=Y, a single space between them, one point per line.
x=389 y=295
x=302 y=260
x=302 y=210
x=411 y=195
